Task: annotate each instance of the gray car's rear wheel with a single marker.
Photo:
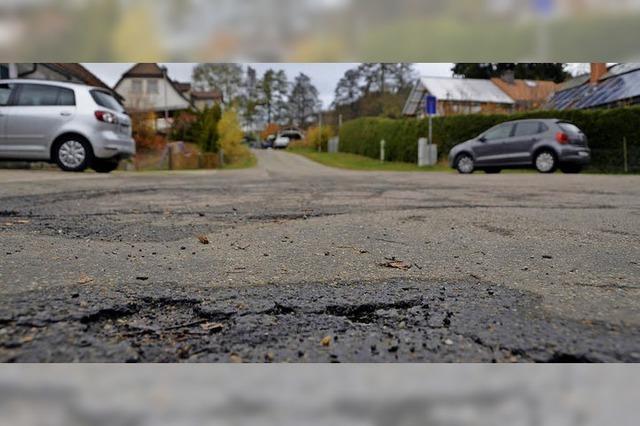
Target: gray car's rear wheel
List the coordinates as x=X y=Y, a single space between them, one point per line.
x=545 y=162
x=571 y=168
x=72 y=154
x=464 y=164
x=104 y=166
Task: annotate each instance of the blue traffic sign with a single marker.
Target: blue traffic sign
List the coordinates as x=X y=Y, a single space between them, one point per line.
x=544 y=7
x=431 y=104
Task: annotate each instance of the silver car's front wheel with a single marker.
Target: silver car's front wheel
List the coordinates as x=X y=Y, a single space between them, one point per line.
x=72 y=155
x=545 y=162
x=465 y=164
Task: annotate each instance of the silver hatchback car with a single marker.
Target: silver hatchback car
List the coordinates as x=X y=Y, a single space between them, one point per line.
x=73 y=125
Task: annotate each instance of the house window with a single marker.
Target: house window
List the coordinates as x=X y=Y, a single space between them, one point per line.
x=4 y=71
x=152 y=87
x=136 y=86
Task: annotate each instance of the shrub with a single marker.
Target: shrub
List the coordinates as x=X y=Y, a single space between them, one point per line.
x=605 y=130
x=231 y=135
x=144 y=132
x=205 y=129
x=182 y=128
x=316 y=137
x=270 y=129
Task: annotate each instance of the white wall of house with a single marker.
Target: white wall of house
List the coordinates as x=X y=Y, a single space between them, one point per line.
x=148 y=94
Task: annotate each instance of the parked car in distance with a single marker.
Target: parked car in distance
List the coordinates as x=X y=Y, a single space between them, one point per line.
x=268 y=142
x=73 y=125
x=545 y=144
x=293 y=133
x=281 y=142
x=250 y=140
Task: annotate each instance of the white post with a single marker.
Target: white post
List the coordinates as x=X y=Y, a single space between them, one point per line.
x=422 y=154
x=430 y=140
x=382 y=143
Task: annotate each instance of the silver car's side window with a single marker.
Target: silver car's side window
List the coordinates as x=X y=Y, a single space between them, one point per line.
x=43 y=95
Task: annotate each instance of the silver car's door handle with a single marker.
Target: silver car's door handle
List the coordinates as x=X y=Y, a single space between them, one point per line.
x=65 y=113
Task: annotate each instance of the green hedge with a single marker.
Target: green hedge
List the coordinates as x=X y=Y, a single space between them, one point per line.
x=605 y=130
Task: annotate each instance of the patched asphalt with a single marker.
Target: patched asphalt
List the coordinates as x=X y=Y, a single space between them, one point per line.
x=310 y=264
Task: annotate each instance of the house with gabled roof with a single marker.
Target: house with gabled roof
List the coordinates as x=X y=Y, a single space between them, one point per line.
x=147 y=88
x=527 y=94
x=200 y=99
x=70 y=72
x=458 y=96
x=603 y=87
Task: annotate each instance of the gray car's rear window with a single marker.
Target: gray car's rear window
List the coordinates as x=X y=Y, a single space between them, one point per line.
x=570 y=128
x=106 y=100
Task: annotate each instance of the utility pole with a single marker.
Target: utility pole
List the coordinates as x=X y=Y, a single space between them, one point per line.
x=166 y=106
x=320 y=131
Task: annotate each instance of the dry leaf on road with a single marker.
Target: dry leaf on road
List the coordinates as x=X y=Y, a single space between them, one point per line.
x=203 y=239
x=235 y=358
x=326 y=341
x=84 y=279
x=213 y=327
x=396 y=264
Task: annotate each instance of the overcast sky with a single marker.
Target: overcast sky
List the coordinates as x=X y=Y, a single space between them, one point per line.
x=324 y=76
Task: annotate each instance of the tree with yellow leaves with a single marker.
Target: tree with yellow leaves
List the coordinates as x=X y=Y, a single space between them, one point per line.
x=230 y=138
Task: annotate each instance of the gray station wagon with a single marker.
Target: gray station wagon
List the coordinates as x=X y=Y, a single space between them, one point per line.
x=73 y=125
x=545 y=144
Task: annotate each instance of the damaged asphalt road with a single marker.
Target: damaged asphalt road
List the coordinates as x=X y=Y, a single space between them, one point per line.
x=395 y=321
x=303 y=263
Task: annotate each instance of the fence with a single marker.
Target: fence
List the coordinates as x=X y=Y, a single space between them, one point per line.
x=177 y=159
x=614 y=159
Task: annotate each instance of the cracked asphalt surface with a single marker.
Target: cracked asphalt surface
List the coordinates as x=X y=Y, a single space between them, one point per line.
x=311 y=264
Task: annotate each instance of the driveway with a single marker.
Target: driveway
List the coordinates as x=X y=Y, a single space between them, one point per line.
x=309 y=263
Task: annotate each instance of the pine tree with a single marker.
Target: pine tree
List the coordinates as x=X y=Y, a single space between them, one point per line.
x=226 y=78
x=348 y=90
x=304 y=101
x=522 y=70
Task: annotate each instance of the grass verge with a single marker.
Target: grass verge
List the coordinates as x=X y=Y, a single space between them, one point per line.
x=343 y=160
